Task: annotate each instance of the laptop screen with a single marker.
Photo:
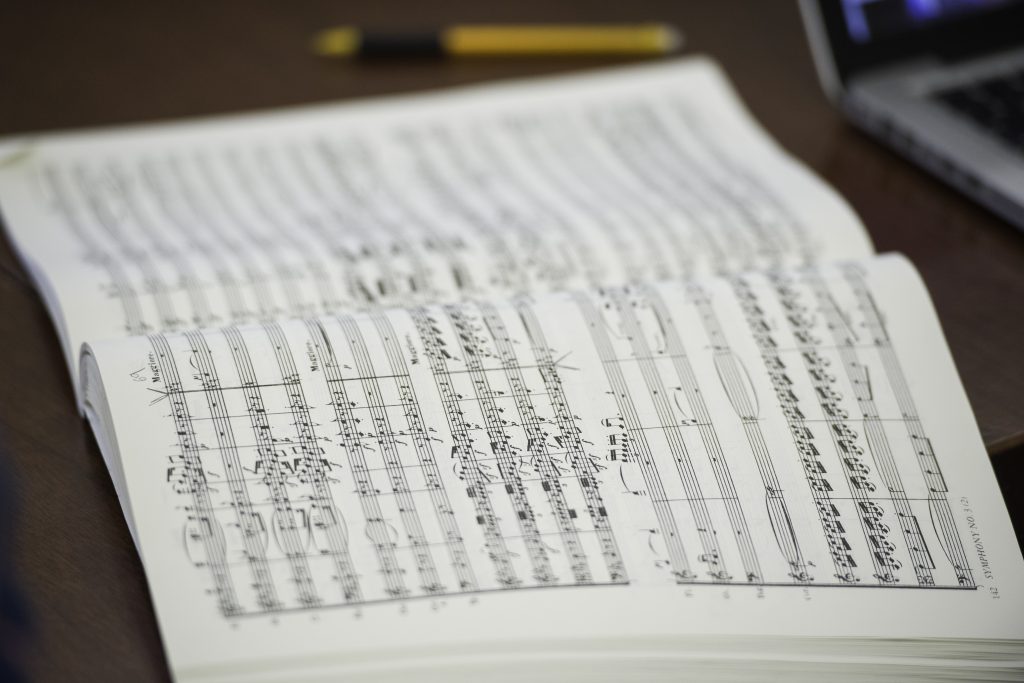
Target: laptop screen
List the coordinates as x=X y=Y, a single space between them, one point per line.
x=871 y=20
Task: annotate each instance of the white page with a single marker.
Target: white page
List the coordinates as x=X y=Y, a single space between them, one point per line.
x=632 y=174
x=787 y=454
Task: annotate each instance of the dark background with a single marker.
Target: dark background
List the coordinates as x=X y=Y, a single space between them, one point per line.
x=76 y=64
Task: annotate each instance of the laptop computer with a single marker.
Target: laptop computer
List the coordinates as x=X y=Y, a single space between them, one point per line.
x=942 y=81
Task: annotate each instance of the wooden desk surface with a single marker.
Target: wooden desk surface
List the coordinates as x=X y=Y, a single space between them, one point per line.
x=76 y=64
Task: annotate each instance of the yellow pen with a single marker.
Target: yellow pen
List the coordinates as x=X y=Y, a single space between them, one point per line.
x=518 y=40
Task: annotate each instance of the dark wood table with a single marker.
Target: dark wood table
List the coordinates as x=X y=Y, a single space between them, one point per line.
x=75 y=64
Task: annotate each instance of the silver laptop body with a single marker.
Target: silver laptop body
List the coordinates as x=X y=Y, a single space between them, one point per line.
x=905 y=77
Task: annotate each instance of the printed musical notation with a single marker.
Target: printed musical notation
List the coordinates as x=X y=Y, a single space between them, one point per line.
x=754 y=431
x=519 y=373
x=241 y=229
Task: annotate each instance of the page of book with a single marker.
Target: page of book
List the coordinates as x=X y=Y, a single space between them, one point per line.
x=632 y=174
x=779 y=454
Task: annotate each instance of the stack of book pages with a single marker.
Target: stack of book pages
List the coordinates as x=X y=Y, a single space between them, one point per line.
x=580 y=378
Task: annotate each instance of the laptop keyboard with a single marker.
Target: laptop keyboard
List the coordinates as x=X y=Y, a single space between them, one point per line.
x=996 y=104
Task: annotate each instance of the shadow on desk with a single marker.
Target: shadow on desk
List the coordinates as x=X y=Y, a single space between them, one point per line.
x=1009 y=469
x=14 y=621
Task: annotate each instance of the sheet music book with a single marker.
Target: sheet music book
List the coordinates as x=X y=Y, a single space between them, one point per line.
x=579 y=378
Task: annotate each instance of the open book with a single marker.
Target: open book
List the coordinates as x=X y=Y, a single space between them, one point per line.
x=575 y=379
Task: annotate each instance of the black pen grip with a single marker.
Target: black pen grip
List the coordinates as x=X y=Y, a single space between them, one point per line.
x=411 y=44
